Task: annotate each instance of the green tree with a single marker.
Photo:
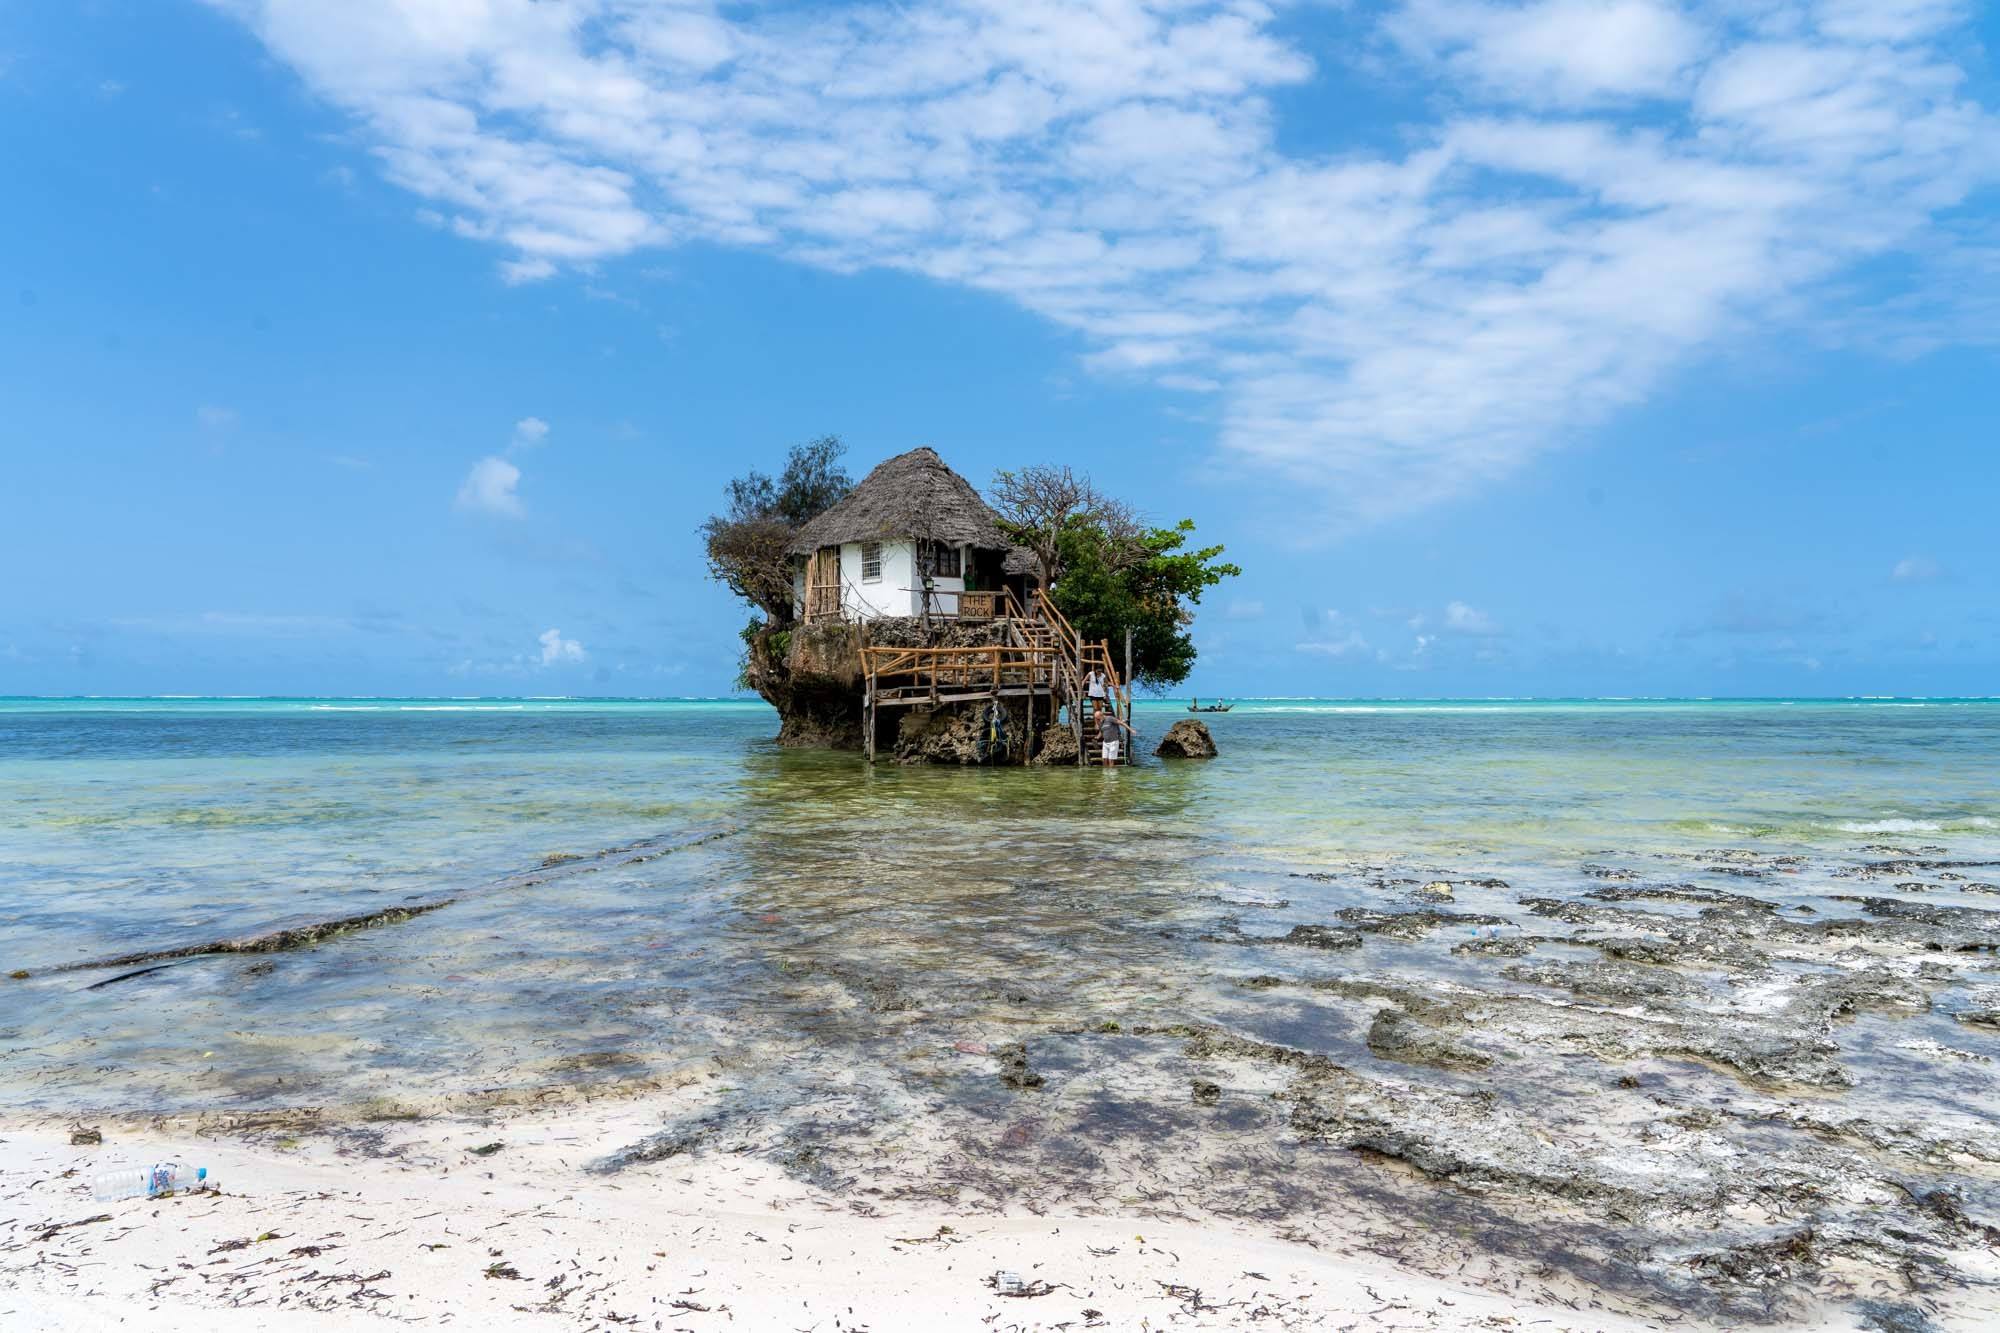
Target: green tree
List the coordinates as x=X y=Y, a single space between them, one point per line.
x=1118 y=575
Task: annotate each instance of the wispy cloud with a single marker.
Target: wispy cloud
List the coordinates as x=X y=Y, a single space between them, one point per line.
x=1916 y=569
x=236 y=622
x=1563 y=53
x=210 y=417
x=1462 y=619
x=1351 y=645
x=529 y=432
x=1759 y=614
x=1611 y=187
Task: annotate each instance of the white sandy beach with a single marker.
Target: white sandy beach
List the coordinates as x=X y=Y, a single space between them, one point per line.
x=413 y=1228
x=422 y=1232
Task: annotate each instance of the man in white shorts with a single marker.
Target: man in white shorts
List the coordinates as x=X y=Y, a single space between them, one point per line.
x=1110 y=734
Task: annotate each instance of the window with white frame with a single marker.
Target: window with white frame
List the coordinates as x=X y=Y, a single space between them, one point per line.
x=871 y=562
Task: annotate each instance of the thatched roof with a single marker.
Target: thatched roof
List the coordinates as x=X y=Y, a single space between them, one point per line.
x=910 y=495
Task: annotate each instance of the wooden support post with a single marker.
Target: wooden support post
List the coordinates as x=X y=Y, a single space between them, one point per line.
x=868 y=721
x=1128 y=668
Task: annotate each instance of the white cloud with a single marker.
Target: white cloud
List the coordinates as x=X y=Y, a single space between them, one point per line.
x=1605 y=191
x=489 y=489
x=210 y=417
x=491 y=486
x=556 y=649
x=1916 y=569
x=552 y=650
x=1462 y=619
x=1242 y=610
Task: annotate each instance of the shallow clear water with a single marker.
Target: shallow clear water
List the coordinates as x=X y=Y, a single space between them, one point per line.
x=841 y=903
x=1062 y=988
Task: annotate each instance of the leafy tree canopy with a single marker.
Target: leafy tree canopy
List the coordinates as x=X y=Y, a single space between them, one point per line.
x=746 y=543
x=1117 y=575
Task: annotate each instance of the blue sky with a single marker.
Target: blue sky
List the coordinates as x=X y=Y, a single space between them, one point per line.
x=1546 y=348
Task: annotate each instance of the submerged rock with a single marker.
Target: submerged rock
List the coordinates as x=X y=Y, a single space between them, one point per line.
x=1321 y=937
x=1500 y=946
x=1411 y=925
x=1186 y=739
x=1983 y=1009
x=1609 y=980
x=1394 y=1035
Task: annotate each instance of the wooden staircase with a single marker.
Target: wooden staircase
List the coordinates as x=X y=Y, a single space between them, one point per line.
x=1039 y=656
x=1075 y=659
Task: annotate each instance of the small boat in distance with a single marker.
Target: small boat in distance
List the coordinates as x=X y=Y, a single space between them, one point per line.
x=1196 y=707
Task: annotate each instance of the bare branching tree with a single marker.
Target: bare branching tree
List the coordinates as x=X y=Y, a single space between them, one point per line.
x=1036 y=503
x=747 y=555
x=746 y=543
x=1124 y=533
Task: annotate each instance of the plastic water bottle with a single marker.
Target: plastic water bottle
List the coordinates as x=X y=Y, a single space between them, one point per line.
x=131 y=1182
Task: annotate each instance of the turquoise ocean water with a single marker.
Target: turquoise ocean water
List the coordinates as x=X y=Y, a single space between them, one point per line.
x=142 y=823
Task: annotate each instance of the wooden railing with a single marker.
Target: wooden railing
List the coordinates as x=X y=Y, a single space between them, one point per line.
x=1057 y=621
x=990 y=667
x=1068 y=682
x=1097 y=656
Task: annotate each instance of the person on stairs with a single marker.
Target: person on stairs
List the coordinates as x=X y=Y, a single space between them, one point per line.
x=1094 y=685
x=1110 y=734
